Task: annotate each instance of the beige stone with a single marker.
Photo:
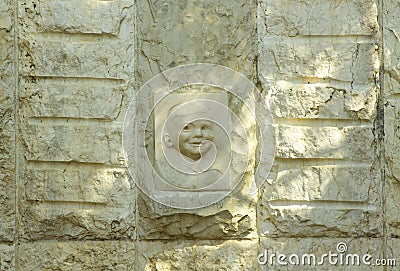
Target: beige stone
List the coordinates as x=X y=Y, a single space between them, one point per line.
x=198 y=255
x=313 y=17
x=72 y=98
x=196 y=31
x=391 y=33
x=76 y=220
x=320 y=246
x=68 y=140
x=44 y=55
x=392 y=199
x=320 y=58
x=330 y=100
x=392 y=252
x=348 y=142
x=345 y=183
x=232 y=217
x=95 y=255
x=78 y=202
x=7 y=257
x=86 y=17
x=7 y=122
x=293 y=218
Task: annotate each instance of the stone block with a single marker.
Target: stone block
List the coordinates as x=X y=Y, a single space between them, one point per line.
x=172 y=34
x=348 y=142
x=337 y=199
x=71 y=98
x=313 y=17
x=318 y=58
x=345 y=183
x=392 y=138
x=76 y=202
x=350 y=253
x=198 y=255
x=230 y=218
x=76 y=220
x=63 y=256
x=391 y=32
x=67 y=140
x=392 y=199
x=392 y=252
x=7 y=257
x=319 y=218
x=77 y=183
x=47 y=56
x=86 y=17
x=7 y=122
x=323 y=100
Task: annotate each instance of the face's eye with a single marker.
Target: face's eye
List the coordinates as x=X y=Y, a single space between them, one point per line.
x=187 y=127
x=205 y=127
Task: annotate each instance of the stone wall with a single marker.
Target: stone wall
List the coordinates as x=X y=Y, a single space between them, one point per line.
x=69 y=69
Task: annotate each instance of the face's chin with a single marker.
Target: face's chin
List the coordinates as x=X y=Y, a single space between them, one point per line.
x=191 y=150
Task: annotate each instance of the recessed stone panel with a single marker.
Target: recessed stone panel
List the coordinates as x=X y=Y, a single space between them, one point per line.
x=98 y=255
x=198 y=255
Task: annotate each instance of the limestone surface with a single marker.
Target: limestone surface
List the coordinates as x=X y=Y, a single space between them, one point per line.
x=7 y=121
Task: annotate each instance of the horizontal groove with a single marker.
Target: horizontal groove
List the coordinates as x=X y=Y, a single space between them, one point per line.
x=300 y=162
x=322 y=204
x=75 y=79
x=67 y=121
x=333 y=39
x=343 y=37
x=324 y=122
x=76 y=37
x=394 y=96
x=328 y=82
x=71 y=165
x=67 y=204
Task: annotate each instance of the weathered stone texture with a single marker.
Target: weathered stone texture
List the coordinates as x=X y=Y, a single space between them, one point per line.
x=172 y=34
x=76 y=16
x=392 y=251
x=76 y=77
x=313 y=17
x=323 y=182
x=7 y=257
x=185 y=33
x=321 y=69
x=77 y=202
x=325 y=100
x=322 y=58
x=63 y=256
x=349 y=142
x=7 y=121
x=61 y=141
x=233 y=217
x=320 y=246
x=392 y=114
x=198 y=255
x=71 y=98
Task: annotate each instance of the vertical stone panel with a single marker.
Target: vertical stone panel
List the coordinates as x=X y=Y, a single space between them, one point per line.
x=392 y=116
x=76 y=79
x=7 y=121
x=172 y=34
x=319 y=61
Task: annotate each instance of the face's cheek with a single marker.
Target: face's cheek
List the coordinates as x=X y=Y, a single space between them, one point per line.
x=208 y=135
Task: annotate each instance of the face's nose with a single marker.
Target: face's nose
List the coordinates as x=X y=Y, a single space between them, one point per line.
x=197 y=132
